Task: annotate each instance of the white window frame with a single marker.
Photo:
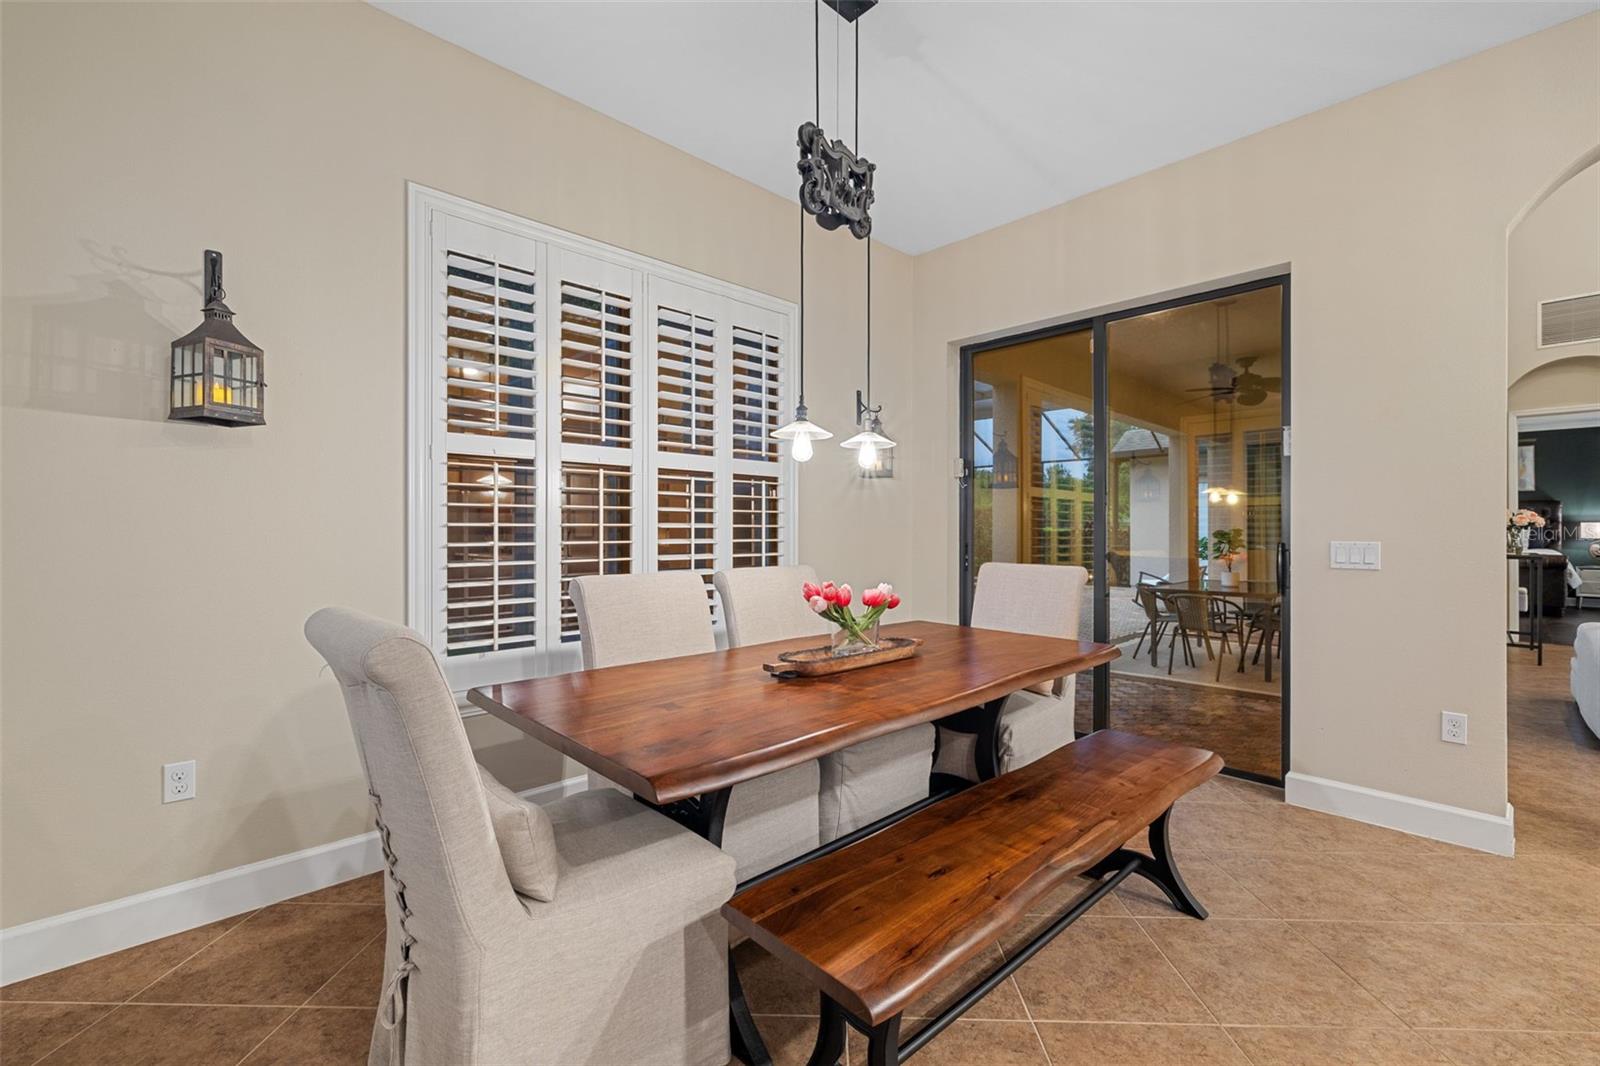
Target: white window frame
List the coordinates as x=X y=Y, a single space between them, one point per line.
x=653 y=281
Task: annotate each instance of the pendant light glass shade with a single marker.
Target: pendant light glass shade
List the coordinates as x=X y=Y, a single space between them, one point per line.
x=868 y=443
x=800 y=432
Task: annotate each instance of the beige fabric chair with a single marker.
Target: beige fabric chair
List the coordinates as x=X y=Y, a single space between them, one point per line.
x=861 y=783
x=628 y=962
x=1023 y=598
x=631 y=618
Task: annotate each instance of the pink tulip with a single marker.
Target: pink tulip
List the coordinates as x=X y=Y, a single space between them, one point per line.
x=894 y=601
x=828 y=592
x=872 y=597
x=809 y=590
x=844 y=596
x=818 y=604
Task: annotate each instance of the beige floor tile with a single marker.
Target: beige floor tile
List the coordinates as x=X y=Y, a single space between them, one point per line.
x=1264 y=973
x=1100 y=1044
x=1472 y=976
x=28 y=1031
x=358 y=983
x=1492 y=888
x=1220 y=894
x=1280 y=1046
x=1308 y=884
x=1105 y=969
x=970 y=1043
x=119 y=976
x=1055 y=902
x=771 y=987
x=1480 y=1048
x=312 y=1037
x=368 y=889
x=1004 y=1002
x=281 y=955
x=170 y=1036
x=789 y=1040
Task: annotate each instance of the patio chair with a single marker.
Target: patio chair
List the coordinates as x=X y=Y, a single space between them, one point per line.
x=1156 y=617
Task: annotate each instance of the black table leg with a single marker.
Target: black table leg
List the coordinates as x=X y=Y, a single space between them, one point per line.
x=706 y=816
x=1537 y=575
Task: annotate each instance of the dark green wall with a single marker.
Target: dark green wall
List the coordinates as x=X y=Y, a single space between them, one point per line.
x=1566 y=465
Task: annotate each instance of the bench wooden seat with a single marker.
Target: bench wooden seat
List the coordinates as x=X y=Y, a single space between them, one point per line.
x=876 y=925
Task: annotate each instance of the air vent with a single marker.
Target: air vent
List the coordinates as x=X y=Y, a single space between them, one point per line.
x=1570 y=321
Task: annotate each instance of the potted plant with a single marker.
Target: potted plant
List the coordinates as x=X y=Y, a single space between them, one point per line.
x=1227 y=547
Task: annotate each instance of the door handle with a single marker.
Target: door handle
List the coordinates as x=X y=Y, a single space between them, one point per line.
x=1283 y=567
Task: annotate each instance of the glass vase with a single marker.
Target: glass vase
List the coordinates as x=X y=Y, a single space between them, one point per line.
x=848 y=643
x=1517 y=540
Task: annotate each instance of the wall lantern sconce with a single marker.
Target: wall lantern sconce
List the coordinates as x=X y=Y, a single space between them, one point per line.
x=216 y=372
x=1005 y=465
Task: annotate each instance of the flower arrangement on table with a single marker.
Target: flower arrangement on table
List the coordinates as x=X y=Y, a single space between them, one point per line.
x=1519 y=526
x=855 y=634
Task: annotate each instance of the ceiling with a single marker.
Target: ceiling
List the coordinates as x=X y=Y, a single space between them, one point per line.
x=975 y=113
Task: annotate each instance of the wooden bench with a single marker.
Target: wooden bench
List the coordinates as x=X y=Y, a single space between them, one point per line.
x=878 y=924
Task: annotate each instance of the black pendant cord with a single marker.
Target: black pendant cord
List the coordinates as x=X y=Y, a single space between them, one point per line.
x=802 y=344
x=868 y=240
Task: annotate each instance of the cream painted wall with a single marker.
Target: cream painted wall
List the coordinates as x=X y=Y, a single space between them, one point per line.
x=157 y=575
x=1563 y=383
x=1554 y=252
x=1390 y=210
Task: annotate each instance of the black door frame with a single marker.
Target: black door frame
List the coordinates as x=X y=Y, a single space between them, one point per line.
x=1096 y=325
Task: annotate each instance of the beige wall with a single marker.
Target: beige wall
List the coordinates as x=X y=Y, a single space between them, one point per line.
x=1554 y=252
x=157 y=575
x=1390 y=211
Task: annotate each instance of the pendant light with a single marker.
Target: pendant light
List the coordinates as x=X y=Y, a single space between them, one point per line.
x=800 y=431
x=870 y=440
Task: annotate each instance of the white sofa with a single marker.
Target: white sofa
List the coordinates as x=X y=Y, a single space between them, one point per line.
x=1586 y=674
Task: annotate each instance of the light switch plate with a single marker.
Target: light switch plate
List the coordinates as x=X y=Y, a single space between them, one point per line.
x=1355 y=554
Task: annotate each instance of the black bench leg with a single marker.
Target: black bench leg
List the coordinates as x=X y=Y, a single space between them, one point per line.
x=1159 y=867
x=883 y=1043
x=742 y=1032
x=829 y=1048
x=1164 y=871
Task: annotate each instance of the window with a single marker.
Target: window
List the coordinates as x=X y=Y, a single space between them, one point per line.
x=576 y=409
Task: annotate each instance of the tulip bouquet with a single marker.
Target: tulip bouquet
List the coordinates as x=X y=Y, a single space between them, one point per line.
x=856 y=634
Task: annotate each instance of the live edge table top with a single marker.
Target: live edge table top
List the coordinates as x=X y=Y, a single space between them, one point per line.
x=672 y=729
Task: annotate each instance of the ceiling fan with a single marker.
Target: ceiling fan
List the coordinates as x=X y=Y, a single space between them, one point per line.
x=1229 y=385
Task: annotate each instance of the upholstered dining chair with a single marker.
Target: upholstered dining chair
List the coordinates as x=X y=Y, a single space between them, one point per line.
x=1022 y=598
x=614 y=949
x=861 y=783
x=632 y=618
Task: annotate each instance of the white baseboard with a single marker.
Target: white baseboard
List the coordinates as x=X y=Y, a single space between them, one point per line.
x=1423 y=818
x=76 y=936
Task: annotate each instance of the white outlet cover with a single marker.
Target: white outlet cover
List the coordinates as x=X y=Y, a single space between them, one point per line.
x=1453 y=727
x=177 y=781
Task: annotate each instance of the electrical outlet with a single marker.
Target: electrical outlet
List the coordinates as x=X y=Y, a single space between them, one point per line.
x=1453 y=728
x=177 y=781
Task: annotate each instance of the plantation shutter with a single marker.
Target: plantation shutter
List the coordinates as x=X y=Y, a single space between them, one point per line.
x=756 y=388
x=688 y=455
x=601 y=362
x=485 y=480
x=577 y=410
x=758 y=523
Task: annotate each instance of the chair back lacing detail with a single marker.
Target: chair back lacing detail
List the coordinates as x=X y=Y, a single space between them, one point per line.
x=392 y=1006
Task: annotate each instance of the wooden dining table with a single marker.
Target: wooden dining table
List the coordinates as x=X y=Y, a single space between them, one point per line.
x=680 y=733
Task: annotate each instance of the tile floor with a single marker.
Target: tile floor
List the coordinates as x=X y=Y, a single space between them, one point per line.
x=1330 y=942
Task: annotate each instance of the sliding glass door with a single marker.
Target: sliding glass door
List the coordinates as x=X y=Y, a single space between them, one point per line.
x=1148 y=447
